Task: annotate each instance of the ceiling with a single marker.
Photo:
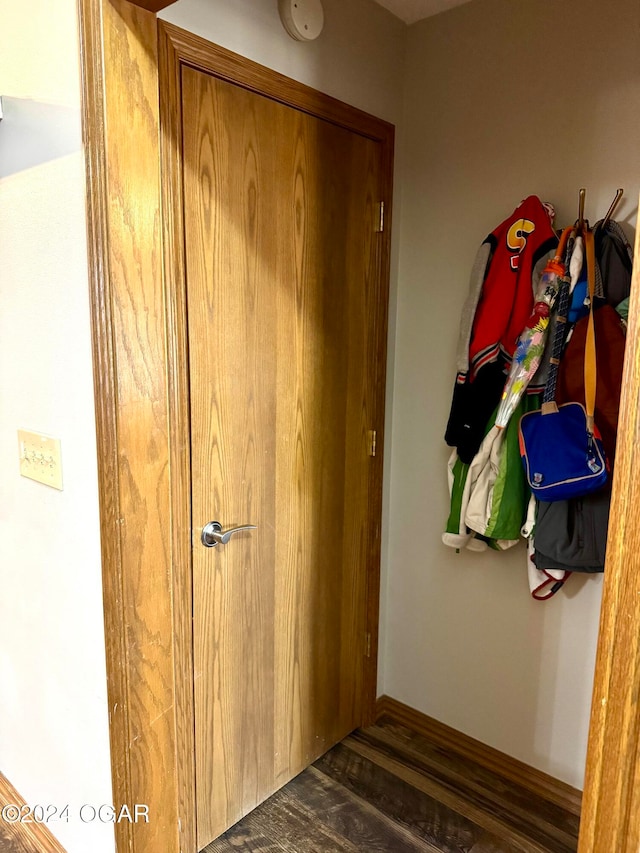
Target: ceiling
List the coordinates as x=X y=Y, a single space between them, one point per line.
x=411 y=11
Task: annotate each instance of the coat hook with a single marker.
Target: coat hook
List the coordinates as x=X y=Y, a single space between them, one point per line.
x=583 y=193
x=614 y=204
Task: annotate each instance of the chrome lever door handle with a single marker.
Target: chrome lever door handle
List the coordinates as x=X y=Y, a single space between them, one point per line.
x=212 y=533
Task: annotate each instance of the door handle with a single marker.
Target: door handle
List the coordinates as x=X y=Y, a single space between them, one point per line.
x=212 y=533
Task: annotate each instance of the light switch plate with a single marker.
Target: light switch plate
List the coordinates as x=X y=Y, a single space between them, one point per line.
x=40 y=458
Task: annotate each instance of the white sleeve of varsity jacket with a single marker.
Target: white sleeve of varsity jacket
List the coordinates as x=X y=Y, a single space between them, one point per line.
x=478 y=274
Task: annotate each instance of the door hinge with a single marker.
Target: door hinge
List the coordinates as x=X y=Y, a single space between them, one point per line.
x=380 y=225
x=367 y=645
x=373 y=441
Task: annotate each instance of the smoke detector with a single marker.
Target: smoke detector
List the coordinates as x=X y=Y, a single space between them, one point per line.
x=302 y=19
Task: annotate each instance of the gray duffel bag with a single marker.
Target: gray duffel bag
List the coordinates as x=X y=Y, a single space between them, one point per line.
x=572 y=535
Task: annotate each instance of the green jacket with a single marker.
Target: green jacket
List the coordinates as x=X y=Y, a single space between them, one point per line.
x=489 y=497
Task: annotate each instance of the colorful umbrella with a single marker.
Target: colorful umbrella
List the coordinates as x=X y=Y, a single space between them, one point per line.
x=532 y=341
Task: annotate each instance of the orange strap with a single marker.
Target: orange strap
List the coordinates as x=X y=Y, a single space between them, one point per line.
x=557 y=262
x=590 y=344
x=562 y=245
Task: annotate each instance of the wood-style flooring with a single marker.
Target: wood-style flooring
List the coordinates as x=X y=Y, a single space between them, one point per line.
x=389 y=789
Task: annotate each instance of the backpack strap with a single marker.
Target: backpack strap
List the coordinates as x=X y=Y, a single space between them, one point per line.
x=590 y=372
x=561 y=315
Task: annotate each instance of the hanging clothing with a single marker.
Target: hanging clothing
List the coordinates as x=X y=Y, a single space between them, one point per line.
x=614 y=257
x=505 y=275
x=572 y=535
x=544 y=583
x=489 y=497
x=611 y=339
x=491 y=505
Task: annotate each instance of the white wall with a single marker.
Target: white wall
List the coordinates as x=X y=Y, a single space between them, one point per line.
x=53 y=708
x=359 y=58
x=503 y=99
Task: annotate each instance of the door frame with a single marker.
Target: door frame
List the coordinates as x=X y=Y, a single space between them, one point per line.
x=611 y=801
x=131 y=127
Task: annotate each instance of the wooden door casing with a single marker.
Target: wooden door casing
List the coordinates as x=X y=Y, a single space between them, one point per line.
x=611 y=802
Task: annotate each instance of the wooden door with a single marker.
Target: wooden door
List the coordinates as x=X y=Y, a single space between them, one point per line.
x=281 y=251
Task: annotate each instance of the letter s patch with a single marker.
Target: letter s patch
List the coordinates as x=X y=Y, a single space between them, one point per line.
x=517 y=239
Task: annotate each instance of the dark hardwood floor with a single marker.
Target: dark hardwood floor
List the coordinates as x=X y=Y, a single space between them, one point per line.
x=388 y=789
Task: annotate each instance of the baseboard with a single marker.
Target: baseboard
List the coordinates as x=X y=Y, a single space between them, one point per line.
x=516 y=771
x=27 y=836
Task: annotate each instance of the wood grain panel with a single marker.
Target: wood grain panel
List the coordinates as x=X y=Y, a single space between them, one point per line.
x=232 y=365
x=23 y=837
x=321 y=544
x=611 y=812
x=361 y=309
x=281 y=256
x=300 y=444
x=137 y=298
x=179 y=432
x=121 y=94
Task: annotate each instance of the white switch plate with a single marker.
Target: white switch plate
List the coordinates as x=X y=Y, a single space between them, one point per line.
x=40 y=458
